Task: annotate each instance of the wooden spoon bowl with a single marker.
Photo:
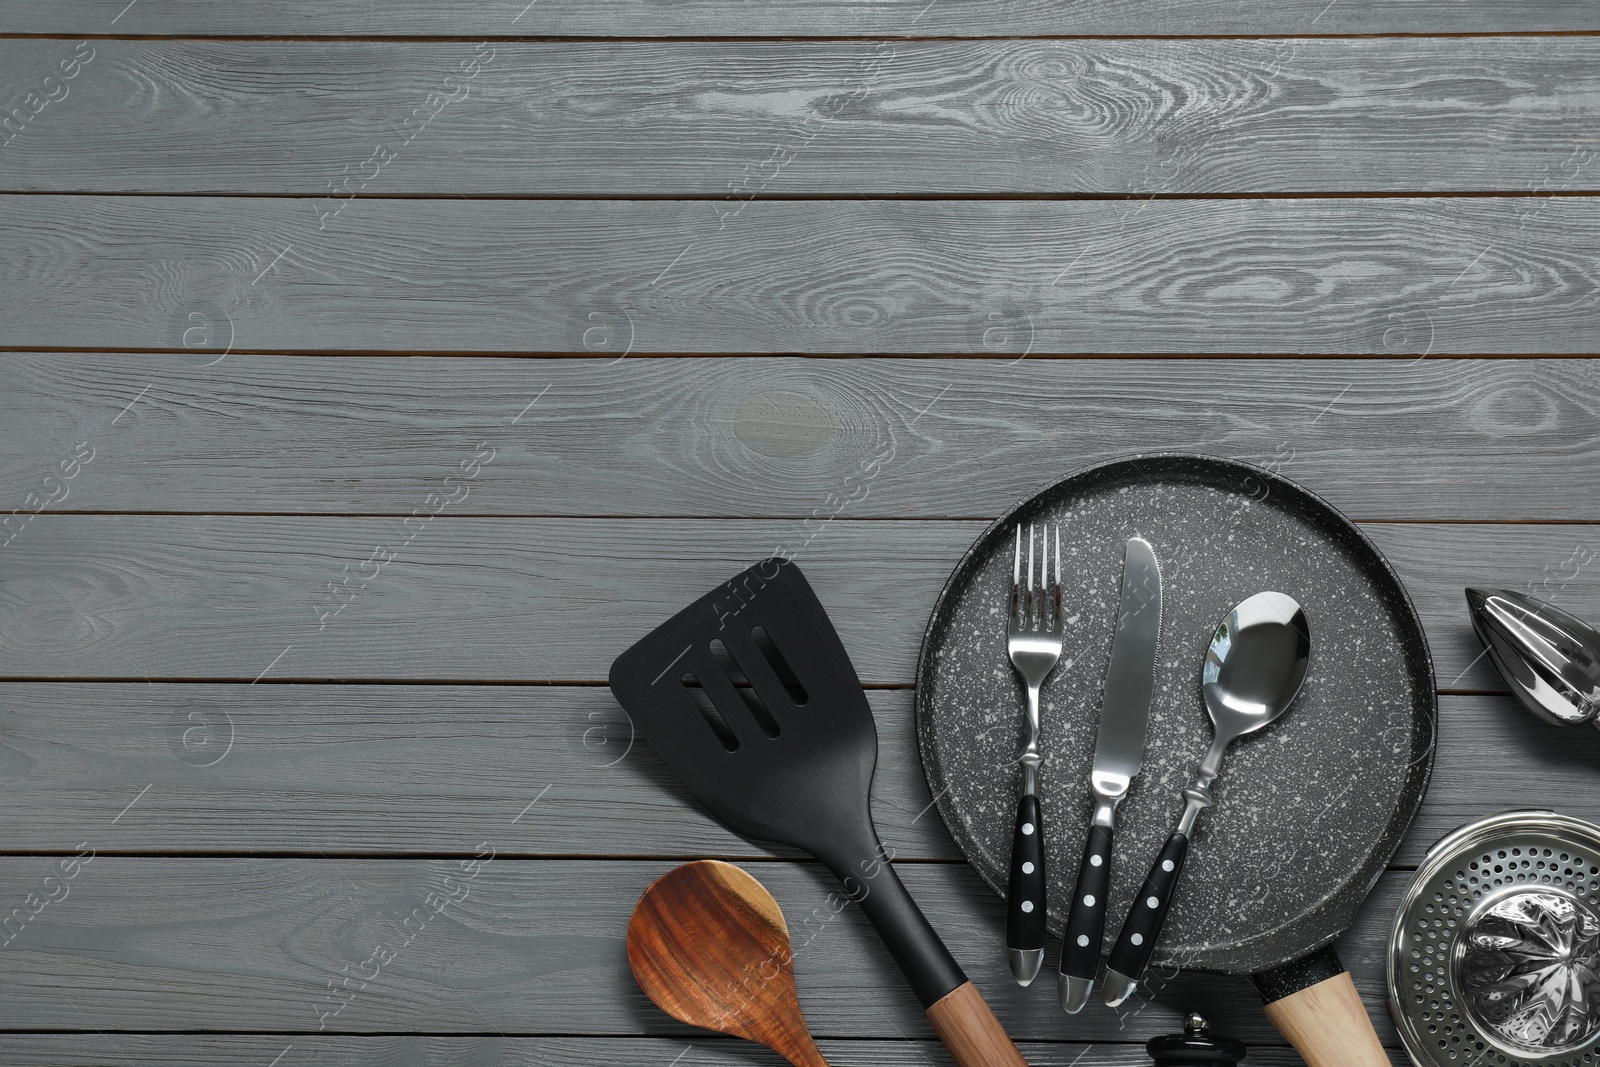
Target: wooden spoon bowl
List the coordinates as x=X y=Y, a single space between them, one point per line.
x=709 y=945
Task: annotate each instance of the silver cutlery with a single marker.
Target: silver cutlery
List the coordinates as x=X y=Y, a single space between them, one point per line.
x=1119 y=750
x=1253 y=670
x=1033 y=639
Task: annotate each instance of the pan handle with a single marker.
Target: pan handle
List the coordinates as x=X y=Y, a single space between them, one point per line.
x=1315 y=1005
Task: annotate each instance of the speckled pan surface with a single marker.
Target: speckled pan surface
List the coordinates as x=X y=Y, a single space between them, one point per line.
x=1308 y=811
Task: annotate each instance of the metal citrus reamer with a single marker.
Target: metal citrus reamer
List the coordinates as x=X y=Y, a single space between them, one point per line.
x=1550 y=659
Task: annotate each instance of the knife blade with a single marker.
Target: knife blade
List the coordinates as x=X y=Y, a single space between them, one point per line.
x=1118 y=754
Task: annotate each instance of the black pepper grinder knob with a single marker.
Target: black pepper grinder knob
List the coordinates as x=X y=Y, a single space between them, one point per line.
x=1195 y=1047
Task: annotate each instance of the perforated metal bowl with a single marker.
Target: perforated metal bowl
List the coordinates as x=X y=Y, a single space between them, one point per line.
x=1494 y=959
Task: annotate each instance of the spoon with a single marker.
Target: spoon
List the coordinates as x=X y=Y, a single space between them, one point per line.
x=1253 y=670
x=709 y=945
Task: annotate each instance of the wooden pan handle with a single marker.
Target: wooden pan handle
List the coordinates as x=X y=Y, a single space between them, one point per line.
x=1328 y=1025
x=970 y=1031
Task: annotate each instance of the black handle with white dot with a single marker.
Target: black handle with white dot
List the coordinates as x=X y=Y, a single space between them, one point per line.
x=1142 y=927
x=1025 y=894
x=1086 y=922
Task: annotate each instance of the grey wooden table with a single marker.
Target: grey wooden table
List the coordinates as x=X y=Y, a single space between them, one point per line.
x=373 y=374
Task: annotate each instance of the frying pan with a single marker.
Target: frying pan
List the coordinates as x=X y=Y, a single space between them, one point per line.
x=1308 y=811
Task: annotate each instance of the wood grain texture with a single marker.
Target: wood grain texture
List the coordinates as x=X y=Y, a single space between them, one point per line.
x=969 y=1029
x=1400 y=277
x=379 y=769
x=460 y=860
x=708 y=945
x=533 y=947
x=1390 y=439
x=716 y=18
x=252 y=1050
x=1327 y=1023
x=743 y=119
x=553 y=600
x=362 y=770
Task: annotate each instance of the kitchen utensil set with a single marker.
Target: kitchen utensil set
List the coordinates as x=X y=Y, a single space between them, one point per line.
x=793 y=763
x=1253 y=670
x=1305 y=827
x=708 y=944
x=750 y=698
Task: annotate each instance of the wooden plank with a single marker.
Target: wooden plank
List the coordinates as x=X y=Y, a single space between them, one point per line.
x=718 y=18
x=342 y=769
x=551 y=600
x=312 y=769
x=698 y=1050
x=1398 y=277
x=534 y=947
x=744 y=119
x=1390 y=439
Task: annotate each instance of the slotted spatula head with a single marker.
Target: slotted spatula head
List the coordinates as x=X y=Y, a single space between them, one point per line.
x=800 y=764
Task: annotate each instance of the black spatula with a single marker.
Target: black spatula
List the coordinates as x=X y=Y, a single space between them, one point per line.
x=790 y=759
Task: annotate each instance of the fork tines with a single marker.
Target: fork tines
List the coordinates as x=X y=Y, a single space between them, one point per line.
x=1037 y=606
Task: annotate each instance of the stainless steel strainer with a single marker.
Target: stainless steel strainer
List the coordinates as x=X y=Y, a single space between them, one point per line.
x=1494 y=959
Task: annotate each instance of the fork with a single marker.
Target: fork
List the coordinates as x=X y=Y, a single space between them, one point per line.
x=1033 y=639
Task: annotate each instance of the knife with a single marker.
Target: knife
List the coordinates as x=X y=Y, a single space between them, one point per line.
x=1124 y=713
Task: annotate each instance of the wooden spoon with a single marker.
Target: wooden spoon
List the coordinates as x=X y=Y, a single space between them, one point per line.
x=709 y=945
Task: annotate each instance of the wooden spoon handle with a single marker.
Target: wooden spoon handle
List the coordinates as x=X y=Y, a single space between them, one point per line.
x=970 y=1031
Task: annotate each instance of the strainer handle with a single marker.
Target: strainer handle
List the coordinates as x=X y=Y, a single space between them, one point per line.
x=1323 y=1017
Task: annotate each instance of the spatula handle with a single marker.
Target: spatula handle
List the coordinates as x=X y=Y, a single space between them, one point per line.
x=917 y=950
x=957 y=1010
x=970 y=1031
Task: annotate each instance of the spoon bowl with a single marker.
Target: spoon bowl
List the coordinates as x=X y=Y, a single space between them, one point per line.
x=709 y=945
x=1255 y=664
